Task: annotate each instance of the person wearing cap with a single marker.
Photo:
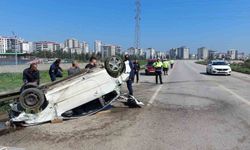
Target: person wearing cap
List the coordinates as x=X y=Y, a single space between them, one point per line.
x=74 y=69
x=158 y=70
x=166 y=65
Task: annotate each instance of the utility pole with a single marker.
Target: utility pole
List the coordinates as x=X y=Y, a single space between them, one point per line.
x=16 y=46
x=138 y=24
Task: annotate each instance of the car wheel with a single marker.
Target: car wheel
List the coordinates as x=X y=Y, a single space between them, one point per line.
x=114 y=66
x=27 y=86
x=146 y=72
x=32 y=99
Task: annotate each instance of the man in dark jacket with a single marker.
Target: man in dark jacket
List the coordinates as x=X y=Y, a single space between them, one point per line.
x=136 y=70
x=92 y=63
x=31 y=75
x=55 y=70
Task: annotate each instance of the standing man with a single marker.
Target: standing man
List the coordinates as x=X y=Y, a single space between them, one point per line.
x=136 y=70
x=158 y=70
x=31 y=75
x=55 y=70
x=165 y=66
x=131 y=74
x=92 y=63
x=74 y=69
x=172 y=63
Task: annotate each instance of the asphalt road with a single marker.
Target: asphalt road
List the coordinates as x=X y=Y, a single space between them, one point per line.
x=190 y=111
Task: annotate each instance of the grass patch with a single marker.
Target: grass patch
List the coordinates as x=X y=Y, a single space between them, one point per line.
x=240 y=68
x=201 y=62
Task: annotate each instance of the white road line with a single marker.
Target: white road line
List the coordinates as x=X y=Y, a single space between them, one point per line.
x=235 y=95
x=152 y=99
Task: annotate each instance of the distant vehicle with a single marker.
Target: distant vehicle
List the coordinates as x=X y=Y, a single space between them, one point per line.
x=149 y=69
x=218 y=67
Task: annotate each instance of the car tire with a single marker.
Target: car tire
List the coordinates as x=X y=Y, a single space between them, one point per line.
x=114 y=66
x=27 y=86
x=32 y=99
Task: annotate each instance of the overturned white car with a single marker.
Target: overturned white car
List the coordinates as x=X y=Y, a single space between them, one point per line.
x=85 y=93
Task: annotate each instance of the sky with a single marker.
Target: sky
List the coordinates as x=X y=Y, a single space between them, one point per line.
x=216 y=24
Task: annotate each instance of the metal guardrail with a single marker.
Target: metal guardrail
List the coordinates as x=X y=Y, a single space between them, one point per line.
x=9 y=96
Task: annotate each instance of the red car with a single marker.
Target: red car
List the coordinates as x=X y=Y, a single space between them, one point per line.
x=149 y=69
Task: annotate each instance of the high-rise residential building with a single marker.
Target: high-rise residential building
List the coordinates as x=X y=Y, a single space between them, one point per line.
x=107 y=50
x=233 y=54
x=135 y=51
x=72 y=46
x=9 y=44
x=202 y=53
x=46 y=46
x=241 y=56
x=85 y=47
x=132 y=51
x=183 y=52
x=160 y=54
x=118 y=50
x=26 y=47
x=221 y=55
x=173 y=53
x=150 y=53
x=72 y=43
x=211 y=54
x=140 y=52
x=97 y=46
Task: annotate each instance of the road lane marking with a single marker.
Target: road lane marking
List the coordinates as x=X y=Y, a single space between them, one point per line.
x=235 y=95
x=152 y=99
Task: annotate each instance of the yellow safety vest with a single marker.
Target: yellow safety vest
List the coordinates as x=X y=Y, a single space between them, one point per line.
x=165 y=64
x=157 y=64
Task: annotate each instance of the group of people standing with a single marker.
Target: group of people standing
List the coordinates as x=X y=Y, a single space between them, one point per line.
x=32 y=75
x=162 y=65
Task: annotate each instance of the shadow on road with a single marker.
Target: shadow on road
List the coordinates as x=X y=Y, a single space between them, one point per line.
x=144 y=74
x=204 y=73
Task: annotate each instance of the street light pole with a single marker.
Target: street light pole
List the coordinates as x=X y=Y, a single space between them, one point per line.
x=16 y=50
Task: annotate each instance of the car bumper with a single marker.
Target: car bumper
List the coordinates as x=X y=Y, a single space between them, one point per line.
x=150 y=71
x=228 y=72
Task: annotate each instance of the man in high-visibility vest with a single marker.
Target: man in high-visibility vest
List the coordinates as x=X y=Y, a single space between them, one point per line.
x=166 y=65
x=172 y=63
x=158 y=70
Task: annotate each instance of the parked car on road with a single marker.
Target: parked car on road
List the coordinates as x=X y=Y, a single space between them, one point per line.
x=149 y=69
x=218 y=67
